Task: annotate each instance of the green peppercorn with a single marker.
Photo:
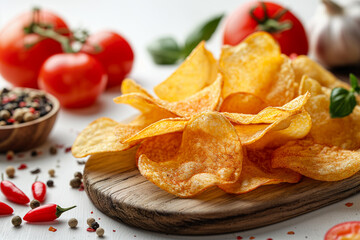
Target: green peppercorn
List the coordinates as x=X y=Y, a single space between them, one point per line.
x=34 y=204
x=75 y=182
x=78 y=175
x=10 y=171
x=73 y=222
x=16 y=221
x=100 y=232
x=90 y=221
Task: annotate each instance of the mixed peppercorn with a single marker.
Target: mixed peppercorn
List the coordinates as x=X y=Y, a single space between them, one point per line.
x=21 y=105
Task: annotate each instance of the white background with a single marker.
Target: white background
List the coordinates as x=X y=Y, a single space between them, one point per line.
x=140 y=21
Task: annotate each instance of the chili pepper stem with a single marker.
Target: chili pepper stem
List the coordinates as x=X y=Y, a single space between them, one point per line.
x=2 y=176
x=36 y=178
x=60 y=210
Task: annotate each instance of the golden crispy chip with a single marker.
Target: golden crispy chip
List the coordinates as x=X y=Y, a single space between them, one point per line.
x=342 y=132
x=241 y=102
x=130 y=86
x=210 y=154
x=269 y=114
x=256 y=66
x=299 y=126
x=317 y=161
x=196 y=72
x=98 y=137
x=160 y=127
x=207 y=99
x=257 y=171
x=303 y=65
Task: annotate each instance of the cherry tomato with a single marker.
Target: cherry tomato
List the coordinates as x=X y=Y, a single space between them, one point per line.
x=345 y=230
x=284 y=26
x=76 y=79
x=21 y=54
x=113 y=52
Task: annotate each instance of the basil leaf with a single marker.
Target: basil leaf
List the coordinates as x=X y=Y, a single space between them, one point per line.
x=354 y=83
x=202 y=32
x=165 y=50
x=342 y=102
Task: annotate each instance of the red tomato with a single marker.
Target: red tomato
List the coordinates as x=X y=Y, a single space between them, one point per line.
x=19 y=64
x=76 y=79
x=113 y=52
x=242 y=23
x=346 y=230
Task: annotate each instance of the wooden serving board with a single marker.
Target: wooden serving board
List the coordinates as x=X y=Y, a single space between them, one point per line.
x=120 y=191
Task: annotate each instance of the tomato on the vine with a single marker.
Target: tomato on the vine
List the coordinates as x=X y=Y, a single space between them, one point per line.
x=113 y=52
x=21 y=54
x=76 y=79
x=283 y=25
x=345 y=230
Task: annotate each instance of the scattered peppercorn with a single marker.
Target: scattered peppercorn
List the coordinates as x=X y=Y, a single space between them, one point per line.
x=78 y=175
x=10 y=171
x=75 y=182
x=16 y=221
x=34 y=153
x=52 y=173
x=10 y=155
x=50 y=183
x=35 y=171
x=73 y=222
x=100 y=232
x=90 y=221
x=68 y=149
x=81 y=162
x=34 y=204
x=95 y=225
x=90 y=229
x=53 y=150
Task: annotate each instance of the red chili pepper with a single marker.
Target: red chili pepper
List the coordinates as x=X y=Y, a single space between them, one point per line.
x=45 y=213
x=39 y=190
x=5 y=209
x=12 y=192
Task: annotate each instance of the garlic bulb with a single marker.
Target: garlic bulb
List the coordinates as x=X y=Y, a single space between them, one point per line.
x=335 y=33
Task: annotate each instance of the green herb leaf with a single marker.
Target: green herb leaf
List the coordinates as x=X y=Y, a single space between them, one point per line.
x=354 y=83
x=342 y=102
x=202 y=32
x=165 y=50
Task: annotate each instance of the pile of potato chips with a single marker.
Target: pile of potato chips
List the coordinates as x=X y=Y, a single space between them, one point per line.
x=252 y=118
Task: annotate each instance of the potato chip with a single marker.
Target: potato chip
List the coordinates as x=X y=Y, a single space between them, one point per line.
x=196 y=72
x=257 y=171
x=317 y=161
x=98 y=137
x=210 y=154
x=269 y=114
x=130 y=86
x=161 y=127
x=342 y=132
x=299 y=126
x=303 y=65
x=256 y=66
x=242 y=102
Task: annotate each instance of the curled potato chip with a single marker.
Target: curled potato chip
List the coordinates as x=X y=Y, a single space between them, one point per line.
x=196 y=72
x=299 y=126
x=257 y=171
x=98 y=137
x=303 y=65
x=160 y=127
x=256 y=66
x=342 y=132
x=242 y=102
x=269 y=114
x=210 y=154
x=317 y=161
x=130 y=86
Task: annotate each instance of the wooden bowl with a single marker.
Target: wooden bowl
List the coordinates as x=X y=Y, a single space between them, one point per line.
x=24 y=136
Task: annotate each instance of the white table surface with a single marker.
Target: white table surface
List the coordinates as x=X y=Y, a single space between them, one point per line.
x=140 y=21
